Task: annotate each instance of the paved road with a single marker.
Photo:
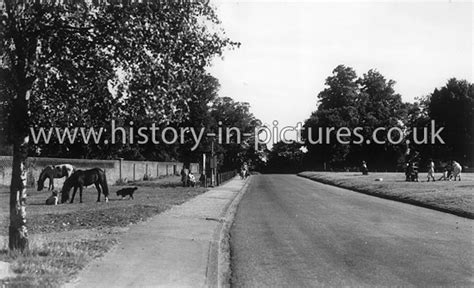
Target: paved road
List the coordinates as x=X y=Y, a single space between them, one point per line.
x=294 y=232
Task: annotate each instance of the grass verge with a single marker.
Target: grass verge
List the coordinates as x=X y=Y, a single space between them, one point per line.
x=66 y=237
x=52 y=263
x=447 y=196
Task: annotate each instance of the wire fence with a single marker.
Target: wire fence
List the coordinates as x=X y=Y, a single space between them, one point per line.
x=221 y=178
x=225 y=176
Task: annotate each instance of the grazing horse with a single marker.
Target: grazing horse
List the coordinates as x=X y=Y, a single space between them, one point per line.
x=82 y=178
x=54 y=171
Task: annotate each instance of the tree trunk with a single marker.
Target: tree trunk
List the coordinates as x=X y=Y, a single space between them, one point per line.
x=22 y=62
x=18 y=233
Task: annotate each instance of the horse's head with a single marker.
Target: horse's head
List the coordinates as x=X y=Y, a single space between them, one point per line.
x=40 y=184
x=45 y=174
x=64 y=195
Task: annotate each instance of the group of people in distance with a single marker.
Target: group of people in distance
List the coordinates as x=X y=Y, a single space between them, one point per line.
x=188 y=178
x=451 y=171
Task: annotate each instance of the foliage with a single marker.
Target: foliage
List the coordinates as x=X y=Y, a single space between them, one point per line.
x=228 y=114
x=338 y=108
x=199 y=118
x=80 y=63
x=370 y=102
x=451 y=107
x=285 y=158
x=380 y=106
x=348 y=101
x=139 y=62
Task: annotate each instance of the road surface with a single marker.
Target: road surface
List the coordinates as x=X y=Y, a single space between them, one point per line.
x=294 y=232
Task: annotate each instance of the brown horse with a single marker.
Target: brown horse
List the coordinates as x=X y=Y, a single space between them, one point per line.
x=54 y=171
x=82 y=178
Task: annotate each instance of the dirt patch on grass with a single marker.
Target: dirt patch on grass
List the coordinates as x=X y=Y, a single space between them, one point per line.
x=116 y=216
x=454 y=197
x=64 y=238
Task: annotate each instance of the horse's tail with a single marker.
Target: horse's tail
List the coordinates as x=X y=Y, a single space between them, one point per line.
x=105 y=188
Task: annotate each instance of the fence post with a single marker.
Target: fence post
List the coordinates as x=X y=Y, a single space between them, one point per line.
x=133 y=171
x=120 y=169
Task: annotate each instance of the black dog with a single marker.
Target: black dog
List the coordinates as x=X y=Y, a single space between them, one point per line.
x=126 y=191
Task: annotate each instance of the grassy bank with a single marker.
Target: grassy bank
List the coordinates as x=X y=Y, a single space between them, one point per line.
x=65 y=238
x=447 y=196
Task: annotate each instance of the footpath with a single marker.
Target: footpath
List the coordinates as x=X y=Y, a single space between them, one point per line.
x=186 y=246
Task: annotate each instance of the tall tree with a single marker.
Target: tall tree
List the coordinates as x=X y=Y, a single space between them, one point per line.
x=452 y=107
x=379 y=106
x=142 y=65
x=85 y=62
x=205 y=92
x=337 y=108
x=349 y=102
x=227 y=113
x=20 y=34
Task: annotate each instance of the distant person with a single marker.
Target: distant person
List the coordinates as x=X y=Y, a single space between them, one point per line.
x=244 y=171
x=449 y=171
x=414 y=172
x=407 y=172
x=411 y=172
x=364 y=169
x=185 y=176
x=431 y=170
x=191 y=179
x=444 y=177
x=457 y=168
x=202 y=180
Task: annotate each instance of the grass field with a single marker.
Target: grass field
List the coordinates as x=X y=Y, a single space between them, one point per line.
x=455 y=197
x=64 y=238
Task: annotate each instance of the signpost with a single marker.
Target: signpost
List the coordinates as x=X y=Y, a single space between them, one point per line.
x=212 y=165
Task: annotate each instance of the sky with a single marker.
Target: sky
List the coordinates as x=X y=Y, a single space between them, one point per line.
x=288 y=49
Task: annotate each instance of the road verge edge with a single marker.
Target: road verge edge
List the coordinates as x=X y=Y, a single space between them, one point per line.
x=223 y=238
